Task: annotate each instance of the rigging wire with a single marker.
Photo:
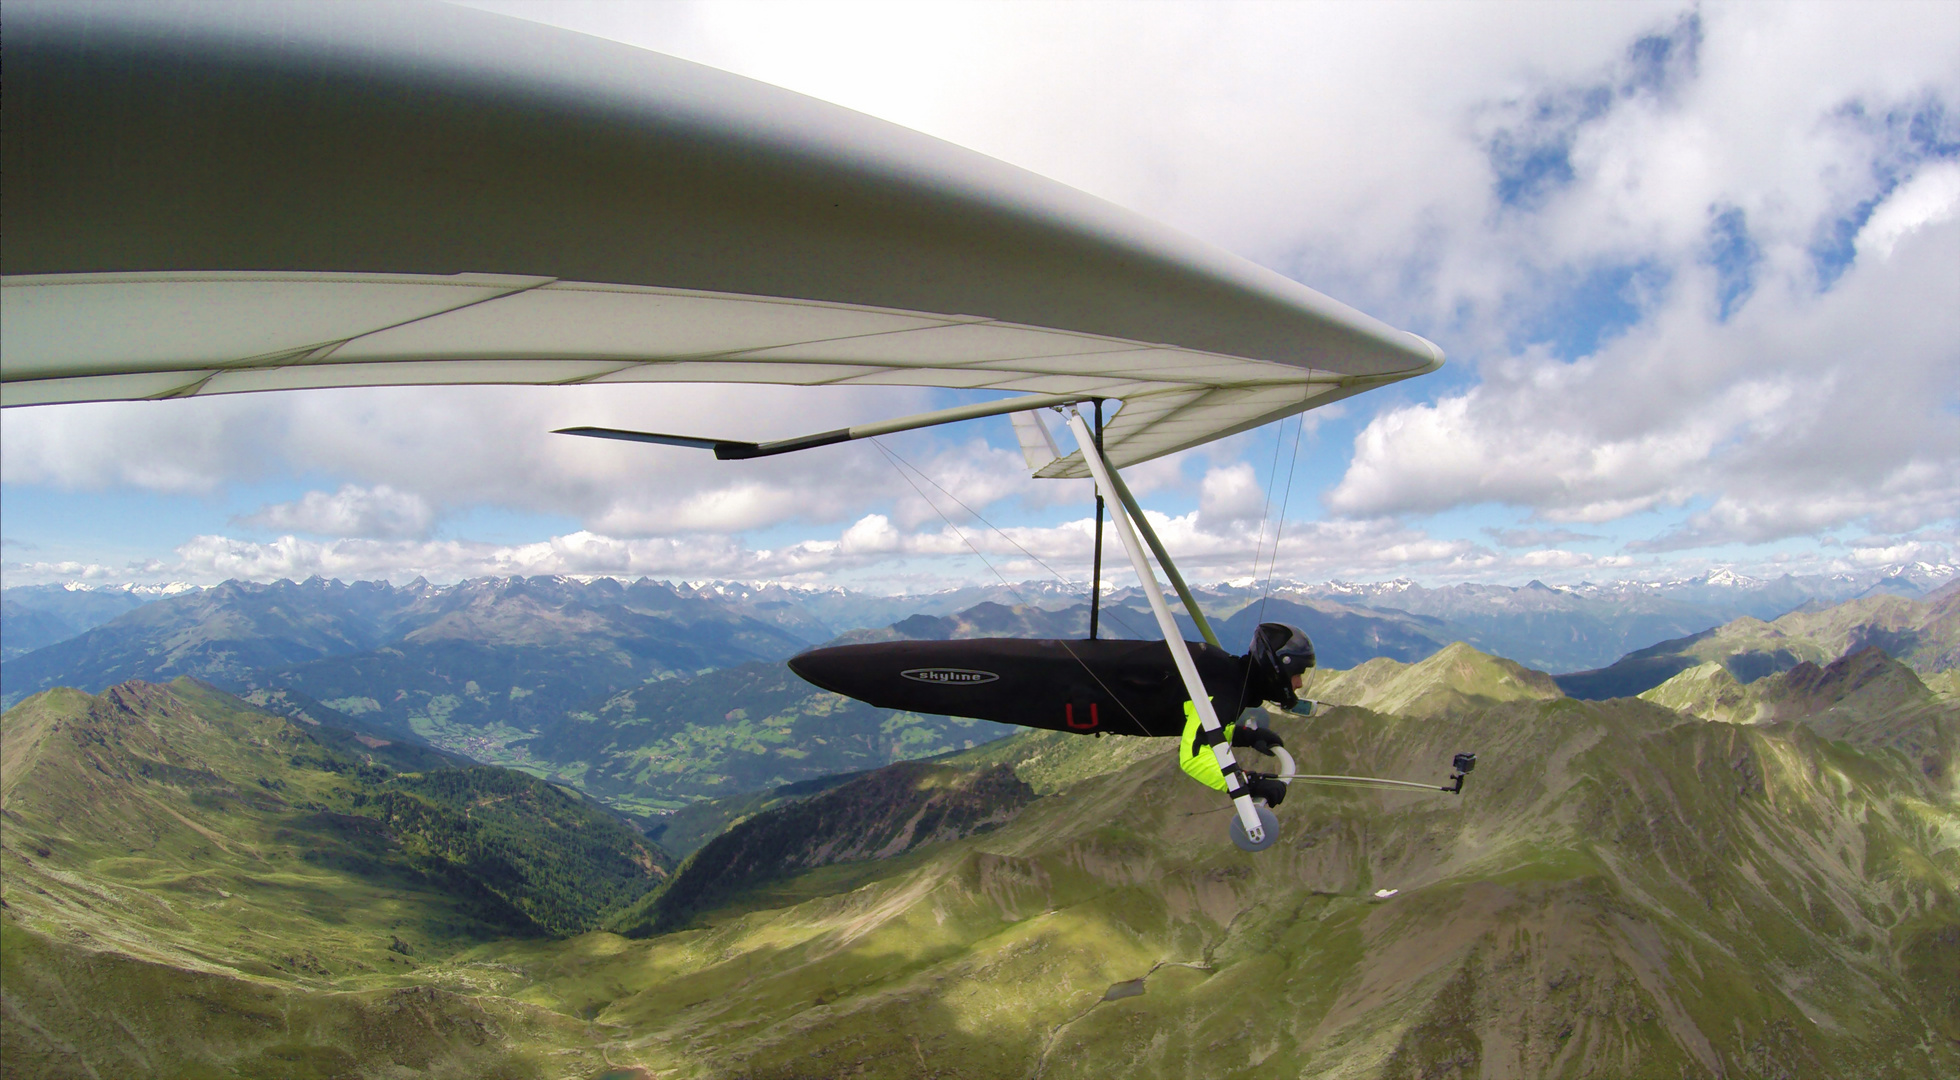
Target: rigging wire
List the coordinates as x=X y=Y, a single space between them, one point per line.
x=1279 y=527
x=893 y=457
x=1279 y=437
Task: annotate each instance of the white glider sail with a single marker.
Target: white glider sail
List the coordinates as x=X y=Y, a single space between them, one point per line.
x=212 y=198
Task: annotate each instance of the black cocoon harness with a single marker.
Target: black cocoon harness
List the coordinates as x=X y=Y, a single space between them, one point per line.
x=1122 y=687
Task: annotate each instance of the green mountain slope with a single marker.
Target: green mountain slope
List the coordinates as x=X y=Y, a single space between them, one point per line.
x=1867 y=680
x=75 y=1010
x=168 y=819
x=1618 y=892
x=1922 y=634
x=1866 y=699
x=191 y=887
x=1456 y=678
x=1945 y=683
x=875 y=816
x=1624 y=888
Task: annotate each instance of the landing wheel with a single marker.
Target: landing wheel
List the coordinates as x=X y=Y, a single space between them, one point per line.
x=1267 y=820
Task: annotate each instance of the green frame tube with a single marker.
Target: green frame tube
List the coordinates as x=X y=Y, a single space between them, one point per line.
x=1163 y=557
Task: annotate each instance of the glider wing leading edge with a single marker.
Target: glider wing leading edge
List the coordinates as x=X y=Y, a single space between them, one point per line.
x=213 y=198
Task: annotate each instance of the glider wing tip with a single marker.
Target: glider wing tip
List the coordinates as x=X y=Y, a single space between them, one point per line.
x=1428 y=348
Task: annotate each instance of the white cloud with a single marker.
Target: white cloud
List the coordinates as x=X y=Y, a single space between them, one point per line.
x=1306 y=550
x=379 y=512
x=1929 y=198
x=871 y=534
x=1357 y=146
x=1805 y=412
x=462 y=446
x=1372 y=549
x=1532 y=538
x=1230 y=494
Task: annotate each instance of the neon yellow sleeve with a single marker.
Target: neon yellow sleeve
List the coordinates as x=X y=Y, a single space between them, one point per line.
x=1194 y=757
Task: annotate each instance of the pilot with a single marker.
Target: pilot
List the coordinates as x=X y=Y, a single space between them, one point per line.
x=1278 y=664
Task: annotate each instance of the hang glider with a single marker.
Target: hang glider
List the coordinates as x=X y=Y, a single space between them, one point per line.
x=232 y=197
x=218 y=198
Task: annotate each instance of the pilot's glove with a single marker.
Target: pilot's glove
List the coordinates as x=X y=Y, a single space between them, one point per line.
x=1263 y=787
x=1259 y=739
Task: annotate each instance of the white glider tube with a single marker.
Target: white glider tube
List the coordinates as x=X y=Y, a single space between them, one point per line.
x=1180 y=653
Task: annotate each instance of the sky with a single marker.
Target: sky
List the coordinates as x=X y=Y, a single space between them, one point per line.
x=1696 y=268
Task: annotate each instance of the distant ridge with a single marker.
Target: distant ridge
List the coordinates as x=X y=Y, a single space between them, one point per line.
x=1552 y=627
x=1457 y=678
x=1923 y=634
x=1864 y=698
x=654 y=696
x=1343 y=634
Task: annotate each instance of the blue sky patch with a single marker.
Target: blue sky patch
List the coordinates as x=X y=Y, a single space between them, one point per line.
x=1532 y=159
x=1594 y=307
x=1658 y=63
x=1907 y=137
x=1733 y=255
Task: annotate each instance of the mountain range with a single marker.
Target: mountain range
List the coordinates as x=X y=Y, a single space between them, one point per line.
x=1553 y=628
x=230 y=632
x=653 y=696
x=35 y=616
x=1623 y=888
x=1923 y=633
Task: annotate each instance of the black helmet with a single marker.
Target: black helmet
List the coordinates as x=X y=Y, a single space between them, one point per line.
x=1280 y=652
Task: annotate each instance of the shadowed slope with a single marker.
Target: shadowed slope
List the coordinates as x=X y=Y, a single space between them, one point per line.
x=1046 y=761
x=879 y=815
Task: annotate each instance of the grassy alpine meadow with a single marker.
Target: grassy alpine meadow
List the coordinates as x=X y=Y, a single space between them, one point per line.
x=1622 y=889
